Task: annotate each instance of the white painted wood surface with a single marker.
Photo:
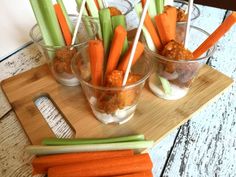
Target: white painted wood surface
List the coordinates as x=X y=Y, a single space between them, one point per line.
x=204 y=147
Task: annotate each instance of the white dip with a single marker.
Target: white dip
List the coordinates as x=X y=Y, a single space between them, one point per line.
x=156 y=87
x=119 y=116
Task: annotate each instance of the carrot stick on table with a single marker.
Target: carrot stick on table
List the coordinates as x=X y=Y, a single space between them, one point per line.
x=63 y=24
x=166 y=25
x=41 y=164
x=216 y=35
x=125 y=60
x=96 y=56
x=104 y=167
x=139 y=174
x=118 y=40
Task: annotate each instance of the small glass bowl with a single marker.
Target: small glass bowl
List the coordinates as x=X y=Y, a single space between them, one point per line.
x=179 y=74
x=111 y=104
x=59 y=57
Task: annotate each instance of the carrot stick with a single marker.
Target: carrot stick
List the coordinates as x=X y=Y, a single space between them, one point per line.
x=118 y=40
x=96 y=56
x=125 y=60
x=41 y=164
x=216 y=35
x=139 y=174
x=166 y=25
x=97 y=4
x=63 y=24
x=104 y=167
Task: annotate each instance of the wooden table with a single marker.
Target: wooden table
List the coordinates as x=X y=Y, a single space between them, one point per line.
x=204 y=146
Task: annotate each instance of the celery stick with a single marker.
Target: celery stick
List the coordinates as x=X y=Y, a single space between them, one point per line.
x=105 y=21
x=40 y=20
x=148 y=39
x=166 y=85
x=68 y=20
x=152 y=9
x=67 y=141
x=160 y=6
x=46 y=150
x=93 y=12
x=51 y=22
x=92 y=8
x=120 y=20
x=100 y=3
x=85 y=20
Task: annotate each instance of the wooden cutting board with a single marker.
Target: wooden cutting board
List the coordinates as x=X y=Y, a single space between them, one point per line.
x=154 y=117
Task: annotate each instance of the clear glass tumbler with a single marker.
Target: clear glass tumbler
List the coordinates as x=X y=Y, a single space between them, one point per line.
x=111 y=104
x=178 y=75
x=59 y=57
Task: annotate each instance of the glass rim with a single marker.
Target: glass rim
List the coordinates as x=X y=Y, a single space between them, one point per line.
x=127 y=87
x=131 y=7
x=209 y=52
x=195 y=7
x=33 y=38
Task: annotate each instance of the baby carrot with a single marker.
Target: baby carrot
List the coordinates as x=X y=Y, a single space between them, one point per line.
x=139 y=174
x=166 y=25
x=42 y=163
x=118 y=40
x=63 y=24
x=216 y=35
x=96 y=56
x=125 y=60
x=104 y=167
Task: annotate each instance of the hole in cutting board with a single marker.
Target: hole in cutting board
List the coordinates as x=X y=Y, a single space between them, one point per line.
x=53 y=117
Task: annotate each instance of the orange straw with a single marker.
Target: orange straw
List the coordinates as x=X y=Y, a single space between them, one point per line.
x=216 y=35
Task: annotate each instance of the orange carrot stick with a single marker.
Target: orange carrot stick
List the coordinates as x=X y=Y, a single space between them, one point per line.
x=166 y=25
x=139 y=174
x=151 y=29
x=216 y=35
x=63 y=24
x=41 y=164
x=96 y=56
x=104 y=167
x=97 y=4
x=118 y=40
x=125 y=60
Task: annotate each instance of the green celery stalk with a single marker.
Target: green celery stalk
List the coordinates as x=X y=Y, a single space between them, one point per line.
x=93 y=12
x=68 y=20
x=105 y=22
x=68 y=141
x=47 y=150
x=152 y=9
x=160 y=6
x=100 y=3
x=85 y=20
x=166 y=85
x=47 y=21
x=120 y=20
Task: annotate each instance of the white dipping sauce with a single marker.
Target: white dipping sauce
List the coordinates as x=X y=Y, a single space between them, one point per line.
x=156 y=87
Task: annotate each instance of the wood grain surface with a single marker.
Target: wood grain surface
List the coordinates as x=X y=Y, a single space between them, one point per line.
x=154 y=117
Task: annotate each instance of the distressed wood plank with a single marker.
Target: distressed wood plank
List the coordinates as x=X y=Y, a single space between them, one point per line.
x=206 y=144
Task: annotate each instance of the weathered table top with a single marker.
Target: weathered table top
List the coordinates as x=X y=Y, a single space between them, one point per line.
x=204 y=146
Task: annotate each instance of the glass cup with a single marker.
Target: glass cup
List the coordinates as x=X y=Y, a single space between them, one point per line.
x=182 y=18
x=59 y=57
x=111 y=104
x=172 y=79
